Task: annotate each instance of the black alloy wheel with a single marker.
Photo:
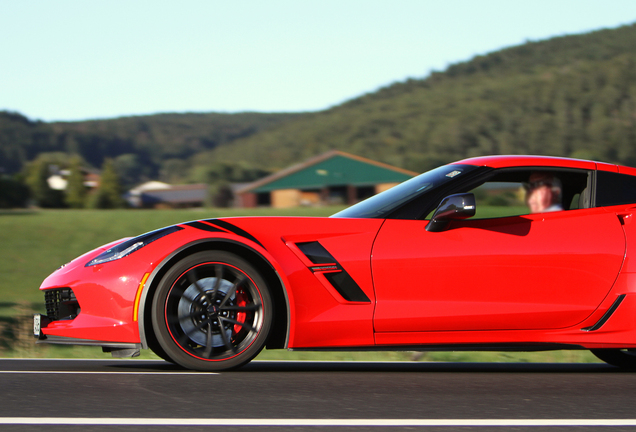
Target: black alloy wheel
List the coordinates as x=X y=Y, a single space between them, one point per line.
x=212 y=311
x=623 y=358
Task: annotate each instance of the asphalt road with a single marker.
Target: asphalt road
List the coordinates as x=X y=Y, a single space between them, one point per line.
x=126 y=395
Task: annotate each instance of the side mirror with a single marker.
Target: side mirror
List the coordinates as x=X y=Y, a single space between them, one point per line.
x=453 y=207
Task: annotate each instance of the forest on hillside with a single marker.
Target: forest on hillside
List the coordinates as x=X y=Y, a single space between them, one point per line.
x=567 y=96
x=142 y=147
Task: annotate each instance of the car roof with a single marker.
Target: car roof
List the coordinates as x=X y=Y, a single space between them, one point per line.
x=502 y=161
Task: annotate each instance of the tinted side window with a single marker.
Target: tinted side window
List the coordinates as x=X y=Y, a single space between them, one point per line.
x=614 y=189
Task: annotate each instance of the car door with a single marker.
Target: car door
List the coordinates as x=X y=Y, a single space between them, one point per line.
x=538 y=271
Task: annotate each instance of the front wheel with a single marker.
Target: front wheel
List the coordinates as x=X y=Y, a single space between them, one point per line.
x=212 y=311
x=623 y=358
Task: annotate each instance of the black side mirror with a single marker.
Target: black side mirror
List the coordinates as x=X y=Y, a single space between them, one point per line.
x=453 y=207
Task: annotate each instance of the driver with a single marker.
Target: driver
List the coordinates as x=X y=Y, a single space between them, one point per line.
x=543 y=193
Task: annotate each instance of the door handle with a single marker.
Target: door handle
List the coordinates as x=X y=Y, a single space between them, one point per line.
x=625 y=218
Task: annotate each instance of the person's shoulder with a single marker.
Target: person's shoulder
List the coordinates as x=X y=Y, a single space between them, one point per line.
x=554 y=207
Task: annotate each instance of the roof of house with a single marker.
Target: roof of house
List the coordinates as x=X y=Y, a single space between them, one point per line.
x=334 y=168
x=176 y=194
x=151 y=185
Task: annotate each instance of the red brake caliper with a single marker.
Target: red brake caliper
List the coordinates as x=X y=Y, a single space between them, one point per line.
x=241 y=301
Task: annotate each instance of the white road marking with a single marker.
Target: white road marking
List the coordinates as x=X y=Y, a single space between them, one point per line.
x=106 y=373
x=315 y=422
x=106 y=359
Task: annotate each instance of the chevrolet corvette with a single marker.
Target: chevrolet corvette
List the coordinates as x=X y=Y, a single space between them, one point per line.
x=462 y=257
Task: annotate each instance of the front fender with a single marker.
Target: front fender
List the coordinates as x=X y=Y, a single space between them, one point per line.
x=226 y=242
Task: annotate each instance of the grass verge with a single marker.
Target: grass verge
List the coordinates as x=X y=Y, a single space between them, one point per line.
x=31 y=350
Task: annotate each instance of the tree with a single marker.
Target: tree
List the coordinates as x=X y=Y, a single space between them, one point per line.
x=75 y=189
x=109 y=193
x=130 y=169
x=222 y=195
x=41 y=192
x=13 y=193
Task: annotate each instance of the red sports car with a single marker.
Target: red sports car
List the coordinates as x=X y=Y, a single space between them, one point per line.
x=489 y=253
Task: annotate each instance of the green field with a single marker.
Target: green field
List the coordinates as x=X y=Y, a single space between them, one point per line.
x=34 y=243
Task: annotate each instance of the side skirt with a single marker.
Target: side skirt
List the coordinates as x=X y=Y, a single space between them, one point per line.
x=525 y=347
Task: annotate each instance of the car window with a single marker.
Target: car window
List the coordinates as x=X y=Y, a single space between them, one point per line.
x=506 y=191
x=500 y=199
x=615 y=189
x=413 y=190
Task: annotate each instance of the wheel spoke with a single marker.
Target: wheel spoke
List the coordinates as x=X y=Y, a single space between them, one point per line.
x=183 y=340
x=190 y=300
x=187 y=296
x=237 y=284
x=218 y=273
x=208 y=341
x=194 y=281
x=173 y=320
x=247 y=308
x=193 y=314
x=200 y=325
x=242 y=324
x=226 y=341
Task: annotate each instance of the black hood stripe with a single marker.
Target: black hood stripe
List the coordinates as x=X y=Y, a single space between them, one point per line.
x=226 y=226
x=203 y=226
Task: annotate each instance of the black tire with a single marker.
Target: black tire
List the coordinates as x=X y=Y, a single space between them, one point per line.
x=623 y=358
x=156 y=348
x=212 y=311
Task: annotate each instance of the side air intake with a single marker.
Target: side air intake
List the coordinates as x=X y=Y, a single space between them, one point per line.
x=607 y=314
x=337 y=276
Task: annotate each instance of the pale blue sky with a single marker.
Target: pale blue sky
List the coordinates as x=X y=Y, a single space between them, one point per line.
x=87 y=59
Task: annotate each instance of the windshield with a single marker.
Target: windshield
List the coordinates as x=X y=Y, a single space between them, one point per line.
x=380 y=205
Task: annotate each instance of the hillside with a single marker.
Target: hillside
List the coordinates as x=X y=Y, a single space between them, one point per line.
x=149 y=145
x=571 y=96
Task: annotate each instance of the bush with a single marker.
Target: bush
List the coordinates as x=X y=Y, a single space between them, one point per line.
x=13 y=194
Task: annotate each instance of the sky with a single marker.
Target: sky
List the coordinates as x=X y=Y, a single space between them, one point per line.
x=64 y=60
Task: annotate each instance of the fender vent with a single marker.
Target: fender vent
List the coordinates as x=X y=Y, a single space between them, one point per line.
x=333 y=272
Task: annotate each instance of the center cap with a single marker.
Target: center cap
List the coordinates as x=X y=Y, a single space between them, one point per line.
x=213 y=310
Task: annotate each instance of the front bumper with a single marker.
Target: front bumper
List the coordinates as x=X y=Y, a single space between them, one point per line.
x=117 y=349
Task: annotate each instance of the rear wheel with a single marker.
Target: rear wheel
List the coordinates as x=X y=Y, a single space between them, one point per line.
x=212 y=311
x=624 y=358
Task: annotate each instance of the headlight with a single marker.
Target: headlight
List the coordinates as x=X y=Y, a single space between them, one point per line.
x=129 y=246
